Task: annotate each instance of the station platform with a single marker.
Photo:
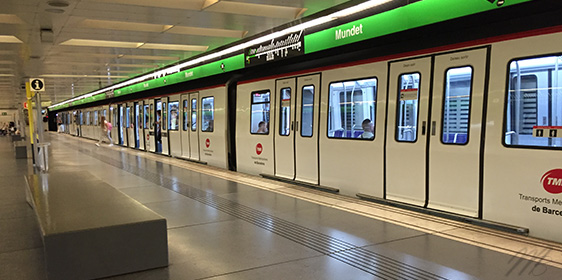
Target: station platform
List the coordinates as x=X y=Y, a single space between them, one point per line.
x=228 y=225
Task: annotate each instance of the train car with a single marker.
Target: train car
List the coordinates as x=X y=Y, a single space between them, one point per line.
x=449 y=121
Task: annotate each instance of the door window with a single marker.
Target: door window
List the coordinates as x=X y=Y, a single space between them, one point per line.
x=408 y=99
x=193 y=114
x=307 y=109
x=285 y=112
x=207 y=114
x=456 y=106
x=173 y=108
x=185 y=110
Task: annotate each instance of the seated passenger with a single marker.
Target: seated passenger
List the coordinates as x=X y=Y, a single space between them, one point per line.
x=368 y=128
x=262 y=128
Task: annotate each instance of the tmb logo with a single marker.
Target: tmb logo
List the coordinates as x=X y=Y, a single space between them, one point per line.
x=259 y=149
x=207 y=143
x=500 y=2
x=552 y=181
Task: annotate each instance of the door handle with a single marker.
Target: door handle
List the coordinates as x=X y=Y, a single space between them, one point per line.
x=292 y=125
x=423 y=127
x=297 y=126
x=433 y=125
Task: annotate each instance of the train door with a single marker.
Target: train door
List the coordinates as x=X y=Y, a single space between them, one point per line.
x=159 y=123
x=185 y=127
x=145 y=115
x=434 y=131
x=151 y=145
x=193 y=130
x=305 y=146
x=174 y=126
x=284 y=136
x=164 y=127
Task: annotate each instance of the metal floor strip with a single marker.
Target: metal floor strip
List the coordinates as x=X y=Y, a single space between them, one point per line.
x=353 y=255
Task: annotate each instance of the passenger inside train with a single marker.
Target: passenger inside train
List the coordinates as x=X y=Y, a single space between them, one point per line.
x=368 y=128
x=262 y=128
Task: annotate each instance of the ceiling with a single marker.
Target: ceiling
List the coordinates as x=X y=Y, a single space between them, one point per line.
x=79 y=46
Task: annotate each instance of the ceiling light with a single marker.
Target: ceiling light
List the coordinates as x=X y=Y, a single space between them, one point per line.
x=194 y=48
x=9 y=39
x=6 y=75
x=10 y=19
x=100 y=43
x=55 y=11
x=58 y=4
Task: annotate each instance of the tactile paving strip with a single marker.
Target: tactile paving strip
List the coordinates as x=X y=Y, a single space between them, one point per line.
x=365 y=260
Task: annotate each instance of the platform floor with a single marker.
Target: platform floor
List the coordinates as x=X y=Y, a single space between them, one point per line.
x=227 y=225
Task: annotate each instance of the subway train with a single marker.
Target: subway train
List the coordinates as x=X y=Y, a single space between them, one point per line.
x=463 y=117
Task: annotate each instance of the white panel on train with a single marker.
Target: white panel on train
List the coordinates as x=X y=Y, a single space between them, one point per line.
x=455 y=129
x=113 y=119
x=174 y=125
x=254 y=145
x=212 y=140
x=523 y=171
x=284 y=134
x=408 y=103
x=351 y=155
x=306 y=142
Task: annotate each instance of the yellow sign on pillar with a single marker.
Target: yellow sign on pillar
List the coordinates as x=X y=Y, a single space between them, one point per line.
x=29 y=95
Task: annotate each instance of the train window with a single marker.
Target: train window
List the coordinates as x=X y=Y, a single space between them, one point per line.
x=146 y=117
x=207 y=114
x=307 y=111
x=259 y=121
x=185 y=110
x=96 y=117
x=151 y=113
x=193 y=114
x=164 y=116
x=352 y=109
x=456 y=105
x=533 y=110
x=105 y=113
x=127 y=117
x=88 y=118
x=285 y=112
x=81 y=118
x=173 y=108
x=407 y=111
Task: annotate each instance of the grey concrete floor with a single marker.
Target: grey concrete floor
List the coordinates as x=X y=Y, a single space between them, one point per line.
x=220 y=229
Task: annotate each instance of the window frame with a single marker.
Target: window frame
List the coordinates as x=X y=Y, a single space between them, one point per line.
x=506 y=100
x=398 y=106
x=301 y=110
x=202 y=118
x=374 y=110
x=252 y=103
x=469 y=105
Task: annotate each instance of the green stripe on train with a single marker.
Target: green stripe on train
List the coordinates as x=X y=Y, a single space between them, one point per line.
x=414 y=15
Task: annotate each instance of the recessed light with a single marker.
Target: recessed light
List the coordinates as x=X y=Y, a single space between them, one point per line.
x=58 y=4
x=55 y=11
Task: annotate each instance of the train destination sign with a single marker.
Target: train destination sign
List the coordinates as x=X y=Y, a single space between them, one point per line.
x=280 y=48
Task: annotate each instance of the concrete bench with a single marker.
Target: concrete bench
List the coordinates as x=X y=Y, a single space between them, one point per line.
x=91 y=230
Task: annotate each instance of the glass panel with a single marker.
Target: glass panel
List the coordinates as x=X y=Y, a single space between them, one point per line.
x=87 y=118
x=173 y=108
x=185 y=111
x=128 y=118
x=151 y=116
x=164 y=116
x=146 y=117
x=207 y=114
x=96 y=117
x=260 y=112
x=307 y=109
x=158 y=115
x=456 y=106
x=285 y=112
x=407 y=118
x=533 y=112
x=352 y=109
x=193 y=114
